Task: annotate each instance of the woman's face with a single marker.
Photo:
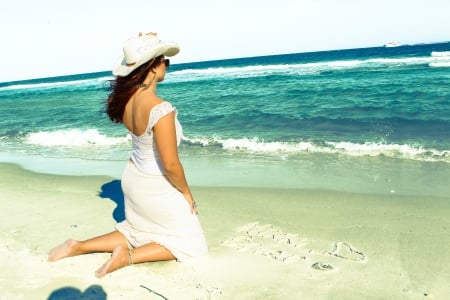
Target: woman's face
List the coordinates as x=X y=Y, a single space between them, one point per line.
x=161 y=69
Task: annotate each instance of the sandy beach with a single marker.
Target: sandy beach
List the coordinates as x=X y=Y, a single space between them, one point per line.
x=264 y=244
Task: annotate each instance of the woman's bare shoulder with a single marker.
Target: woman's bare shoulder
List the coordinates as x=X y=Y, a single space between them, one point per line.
x=147 y=100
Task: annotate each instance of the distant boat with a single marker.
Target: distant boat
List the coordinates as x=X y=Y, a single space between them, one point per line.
x=393 y=44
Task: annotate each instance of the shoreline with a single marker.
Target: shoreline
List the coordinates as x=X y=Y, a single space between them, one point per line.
x=333 y=245
x=365 y=175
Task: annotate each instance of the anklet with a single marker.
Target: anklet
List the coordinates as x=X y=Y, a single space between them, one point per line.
x=130 y=258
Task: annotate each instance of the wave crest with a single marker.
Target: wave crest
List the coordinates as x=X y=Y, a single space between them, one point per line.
x=440 y=53
x=435 y=59
x=73 y=138
x=259 y=146
x=56 y=85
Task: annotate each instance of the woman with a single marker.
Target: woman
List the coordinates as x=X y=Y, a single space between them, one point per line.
x=161 y=221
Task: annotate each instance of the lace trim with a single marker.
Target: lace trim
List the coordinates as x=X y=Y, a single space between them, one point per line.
x=159 y=111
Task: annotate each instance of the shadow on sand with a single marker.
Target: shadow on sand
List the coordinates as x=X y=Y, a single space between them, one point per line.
x=94 y=292
x=113 y=190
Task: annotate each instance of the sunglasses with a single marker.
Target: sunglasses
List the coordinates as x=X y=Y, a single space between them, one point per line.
x=166 y=61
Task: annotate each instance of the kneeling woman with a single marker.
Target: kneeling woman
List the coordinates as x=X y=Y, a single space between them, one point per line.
x=161 y=221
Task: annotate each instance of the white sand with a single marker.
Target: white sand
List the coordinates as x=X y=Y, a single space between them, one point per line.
x=264 y=244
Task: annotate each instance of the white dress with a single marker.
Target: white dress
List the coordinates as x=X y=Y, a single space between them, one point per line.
x=155 y=211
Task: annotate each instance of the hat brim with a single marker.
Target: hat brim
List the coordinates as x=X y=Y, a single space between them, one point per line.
x=165 y=48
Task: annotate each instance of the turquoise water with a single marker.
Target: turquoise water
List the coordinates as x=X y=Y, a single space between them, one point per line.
x=300 y=116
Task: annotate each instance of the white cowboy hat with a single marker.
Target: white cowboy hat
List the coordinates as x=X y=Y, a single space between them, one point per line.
x=139 y=50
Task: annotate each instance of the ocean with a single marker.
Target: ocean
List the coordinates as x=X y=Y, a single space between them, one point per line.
x=374 y=120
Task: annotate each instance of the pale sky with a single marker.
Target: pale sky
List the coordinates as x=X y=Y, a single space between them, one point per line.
x=61 y=37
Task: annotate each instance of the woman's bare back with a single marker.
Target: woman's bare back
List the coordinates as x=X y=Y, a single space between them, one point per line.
x=137 y=110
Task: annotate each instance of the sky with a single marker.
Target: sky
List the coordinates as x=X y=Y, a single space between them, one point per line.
x=48 y=38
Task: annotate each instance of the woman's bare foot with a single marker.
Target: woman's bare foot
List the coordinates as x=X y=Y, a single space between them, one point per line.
x=66 y=249
x=119 y=259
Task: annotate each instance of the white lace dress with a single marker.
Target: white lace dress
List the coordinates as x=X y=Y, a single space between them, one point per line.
x=155 y=211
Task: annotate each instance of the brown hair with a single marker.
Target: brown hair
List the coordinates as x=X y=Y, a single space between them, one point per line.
x=122 y=88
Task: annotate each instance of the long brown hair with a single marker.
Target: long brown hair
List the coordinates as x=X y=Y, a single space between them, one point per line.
x=122 y=88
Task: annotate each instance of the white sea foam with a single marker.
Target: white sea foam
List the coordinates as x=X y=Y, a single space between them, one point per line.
x=377 y=149
x=441 y=59
x=435 y=59
x=73 y=138
x=257 y=145
x=442 y=64
x=261 y=70
x=440 y=53
x=400 y=61
x=57 y=84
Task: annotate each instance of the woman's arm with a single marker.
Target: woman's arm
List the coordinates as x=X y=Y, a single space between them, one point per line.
x=166 y=142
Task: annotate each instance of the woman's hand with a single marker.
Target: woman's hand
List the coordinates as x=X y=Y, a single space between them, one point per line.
x=191 y=203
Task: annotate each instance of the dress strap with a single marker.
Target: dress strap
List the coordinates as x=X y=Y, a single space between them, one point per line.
x=159 y=111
